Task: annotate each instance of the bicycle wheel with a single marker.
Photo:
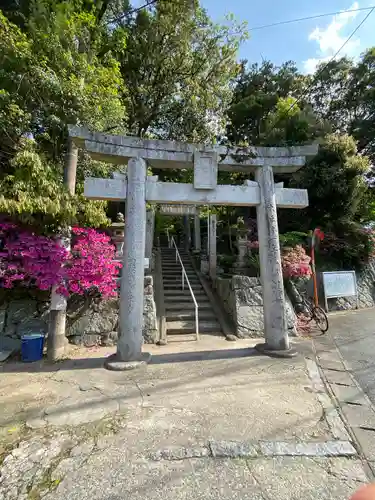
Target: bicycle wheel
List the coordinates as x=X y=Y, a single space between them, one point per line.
x=320 y=318
x=306 y=314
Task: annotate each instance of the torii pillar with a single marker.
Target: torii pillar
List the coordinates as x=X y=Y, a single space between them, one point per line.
x=277 y=339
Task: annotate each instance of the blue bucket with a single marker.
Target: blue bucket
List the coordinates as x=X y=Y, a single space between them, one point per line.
x=32 y=347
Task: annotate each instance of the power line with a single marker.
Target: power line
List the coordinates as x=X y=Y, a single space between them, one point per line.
x=319 y=73
x=289 y=21
x=264 y=26
x=137 y=9
x=133 y=11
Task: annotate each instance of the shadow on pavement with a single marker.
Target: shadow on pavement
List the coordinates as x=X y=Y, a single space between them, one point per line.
x=157 y=359
x=183 y=357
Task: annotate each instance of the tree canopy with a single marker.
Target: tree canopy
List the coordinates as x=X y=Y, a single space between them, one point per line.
x=163 y=71
x=334 y=107
x=166 y=70
x=47 y=82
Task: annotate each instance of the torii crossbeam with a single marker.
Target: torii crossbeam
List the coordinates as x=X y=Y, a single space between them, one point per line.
x=138 y=189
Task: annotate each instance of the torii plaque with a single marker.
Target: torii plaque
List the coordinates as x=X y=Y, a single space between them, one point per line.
x=138 y=189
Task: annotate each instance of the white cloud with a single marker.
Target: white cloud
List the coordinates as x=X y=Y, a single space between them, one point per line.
x=331 y=38
x=311 y=64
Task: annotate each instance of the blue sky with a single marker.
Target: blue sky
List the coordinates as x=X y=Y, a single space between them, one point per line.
x=306 y=42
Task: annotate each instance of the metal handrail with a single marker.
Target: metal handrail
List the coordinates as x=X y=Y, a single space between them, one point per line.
x=184 y=276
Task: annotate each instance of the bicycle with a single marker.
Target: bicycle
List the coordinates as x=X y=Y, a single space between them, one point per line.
x=315 y=313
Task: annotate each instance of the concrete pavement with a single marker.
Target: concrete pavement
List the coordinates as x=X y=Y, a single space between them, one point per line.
x=354 y=334
x=345 y=357
x=204 y=420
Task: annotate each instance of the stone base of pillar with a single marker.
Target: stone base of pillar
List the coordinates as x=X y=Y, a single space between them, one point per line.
x=276 y=353
x=115 y=364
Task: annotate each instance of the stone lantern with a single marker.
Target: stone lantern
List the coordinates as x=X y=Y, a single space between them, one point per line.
x=241 y=244
x=117 y=234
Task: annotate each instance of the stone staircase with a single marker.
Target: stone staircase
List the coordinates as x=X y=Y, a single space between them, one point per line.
x=179 y=304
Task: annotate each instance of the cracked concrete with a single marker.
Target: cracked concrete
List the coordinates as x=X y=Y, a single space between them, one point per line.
x=184 y=427
x=355 y=406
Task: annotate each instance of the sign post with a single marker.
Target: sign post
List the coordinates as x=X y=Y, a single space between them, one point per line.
x=339 y=284
x=317 y=235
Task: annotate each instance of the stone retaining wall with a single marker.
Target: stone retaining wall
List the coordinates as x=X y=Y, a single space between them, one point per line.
x=243 y=301
x=89 y=322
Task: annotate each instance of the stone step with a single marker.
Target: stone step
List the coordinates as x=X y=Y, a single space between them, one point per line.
x=179 y=299
x=177 y=269
x=175 y=327
x=172 y=251
x=183 y=306
x=174 y=276
x=206 y=315
x=174 y=265
x=172 y=259
x=186 y=291
x=185 y=297
x=172 y=256
x=178 y=279
x=178 y=287
x=178 y=274
x=181 y=337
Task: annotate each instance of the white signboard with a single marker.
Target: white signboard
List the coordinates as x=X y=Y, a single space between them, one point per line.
x=339 y=284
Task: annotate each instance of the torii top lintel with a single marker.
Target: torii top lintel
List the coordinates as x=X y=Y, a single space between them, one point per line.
x=119 y=149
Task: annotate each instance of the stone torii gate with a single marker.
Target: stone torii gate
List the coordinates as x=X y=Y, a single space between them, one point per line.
x=138 y=189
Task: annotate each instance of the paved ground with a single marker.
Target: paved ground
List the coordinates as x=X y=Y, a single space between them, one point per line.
x=210 y=420
x=354 y=334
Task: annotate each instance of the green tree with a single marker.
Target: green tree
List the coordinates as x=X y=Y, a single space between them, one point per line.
x=335 y=180
x=361 y=101
x=278 y=106
x=256 y=95
x=290 y=125
x=178 y=67
x=51 y=76
x=338 y=200
x=344 y=94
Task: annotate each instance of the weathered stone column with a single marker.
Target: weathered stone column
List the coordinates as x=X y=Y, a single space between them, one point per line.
x=197 y=231
x=207 y=245
x=212 y=245
x=150 y=225
x=129 y=347
x=275 y=330
x=187 y=232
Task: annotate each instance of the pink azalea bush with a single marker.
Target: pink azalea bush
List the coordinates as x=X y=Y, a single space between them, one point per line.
x=30 y=260
x=295 y=262
x=91 y=266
